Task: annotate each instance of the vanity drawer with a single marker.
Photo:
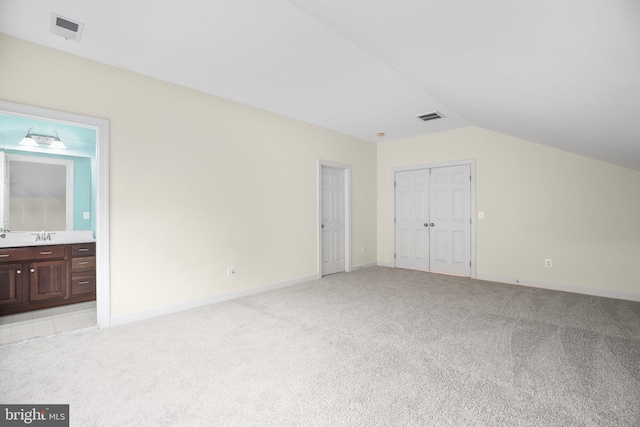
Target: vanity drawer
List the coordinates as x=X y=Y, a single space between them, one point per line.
x=32 y=253
x=83 y=283
x=83 y=249
x=83 y=263
x=8 y=255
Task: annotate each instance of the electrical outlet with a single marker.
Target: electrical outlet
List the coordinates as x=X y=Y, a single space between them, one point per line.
x=86 y=215
x=231 y=271
x=548 y=263
x=480 y=215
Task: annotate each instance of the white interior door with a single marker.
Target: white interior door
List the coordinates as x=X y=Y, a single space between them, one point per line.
x=412 y=218
x=333 y=221
x=450 y=220
x=433 y=219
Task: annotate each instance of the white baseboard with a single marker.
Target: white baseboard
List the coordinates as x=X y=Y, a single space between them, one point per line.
x=174 y=308
x=607 y=293
x=361 y=266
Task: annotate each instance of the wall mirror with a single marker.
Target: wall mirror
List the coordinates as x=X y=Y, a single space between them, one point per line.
x=38 y=193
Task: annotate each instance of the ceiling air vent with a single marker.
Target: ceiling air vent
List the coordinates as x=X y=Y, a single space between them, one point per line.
x=430 y=116
x=66 y=28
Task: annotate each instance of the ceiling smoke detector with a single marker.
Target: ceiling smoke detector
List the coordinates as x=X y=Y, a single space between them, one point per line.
x=430 y=116
x=66 y=28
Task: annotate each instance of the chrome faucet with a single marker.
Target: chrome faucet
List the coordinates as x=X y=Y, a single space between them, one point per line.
x=42 y=236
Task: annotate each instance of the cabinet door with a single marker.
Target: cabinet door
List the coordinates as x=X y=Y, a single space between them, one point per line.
x=10 y=284
x=47 y=280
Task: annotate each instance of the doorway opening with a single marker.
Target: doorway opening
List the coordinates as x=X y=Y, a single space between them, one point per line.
x=101 y=128
x=334 y=217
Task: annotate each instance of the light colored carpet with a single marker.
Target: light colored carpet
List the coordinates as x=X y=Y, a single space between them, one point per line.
x=375 y=347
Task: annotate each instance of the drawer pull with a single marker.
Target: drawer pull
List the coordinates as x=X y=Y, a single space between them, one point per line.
x=84 y=282
x=83 y=262
x=4 y=255
x=46 y=253
x=33 y=270
x=18 y=271
x=83 y=249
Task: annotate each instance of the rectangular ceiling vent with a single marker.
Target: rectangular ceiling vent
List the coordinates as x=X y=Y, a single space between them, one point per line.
x=66 y=28
x=430 y=116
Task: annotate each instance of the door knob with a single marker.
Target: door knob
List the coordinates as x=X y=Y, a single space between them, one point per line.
x=426 y=224
x=431 y=224
x=322 y=225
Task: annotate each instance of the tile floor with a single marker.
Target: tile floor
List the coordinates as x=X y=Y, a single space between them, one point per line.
x=46 y=322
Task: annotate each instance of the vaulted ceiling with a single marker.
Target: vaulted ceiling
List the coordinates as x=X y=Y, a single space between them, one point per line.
x=561 y=73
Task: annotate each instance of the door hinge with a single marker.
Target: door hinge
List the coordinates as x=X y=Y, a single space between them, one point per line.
x=394 y=184
x=469 y=263
x=394 y=219
x=469 y=177
x=394 y=256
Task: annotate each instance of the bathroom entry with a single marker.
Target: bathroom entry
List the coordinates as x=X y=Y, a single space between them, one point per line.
x=87 y=141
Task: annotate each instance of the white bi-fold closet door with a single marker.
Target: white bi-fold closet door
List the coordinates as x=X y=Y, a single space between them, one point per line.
x=433 y=219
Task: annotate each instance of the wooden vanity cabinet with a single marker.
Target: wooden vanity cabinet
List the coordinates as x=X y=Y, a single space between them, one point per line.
x=83 y=269
x=36 y=277
x=47 y=280
x=10 y=284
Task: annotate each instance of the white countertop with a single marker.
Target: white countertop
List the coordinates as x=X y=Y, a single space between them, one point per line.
x=21 y=239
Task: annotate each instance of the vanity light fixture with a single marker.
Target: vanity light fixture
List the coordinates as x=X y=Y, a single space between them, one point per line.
x=35 y=139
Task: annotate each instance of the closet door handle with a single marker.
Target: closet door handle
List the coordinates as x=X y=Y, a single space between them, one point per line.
x=426 y=224
x=431 y=224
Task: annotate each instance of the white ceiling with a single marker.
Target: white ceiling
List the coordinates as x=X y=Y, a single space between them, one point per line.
x=561 y=73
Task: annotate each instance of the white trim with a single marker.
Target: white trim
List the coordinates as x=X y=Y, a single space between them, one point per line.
x=361 y=266
x=472 y=206
x=347 y=212
x=168 y=309
x=386 y=264
x=576 y=289
x=69 y=182
x=101 y=126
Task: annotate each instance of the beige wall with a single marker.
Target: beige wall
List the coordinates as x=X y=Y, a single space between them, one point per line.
x=198 y=183
x=538 y=203
x=244 y=194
